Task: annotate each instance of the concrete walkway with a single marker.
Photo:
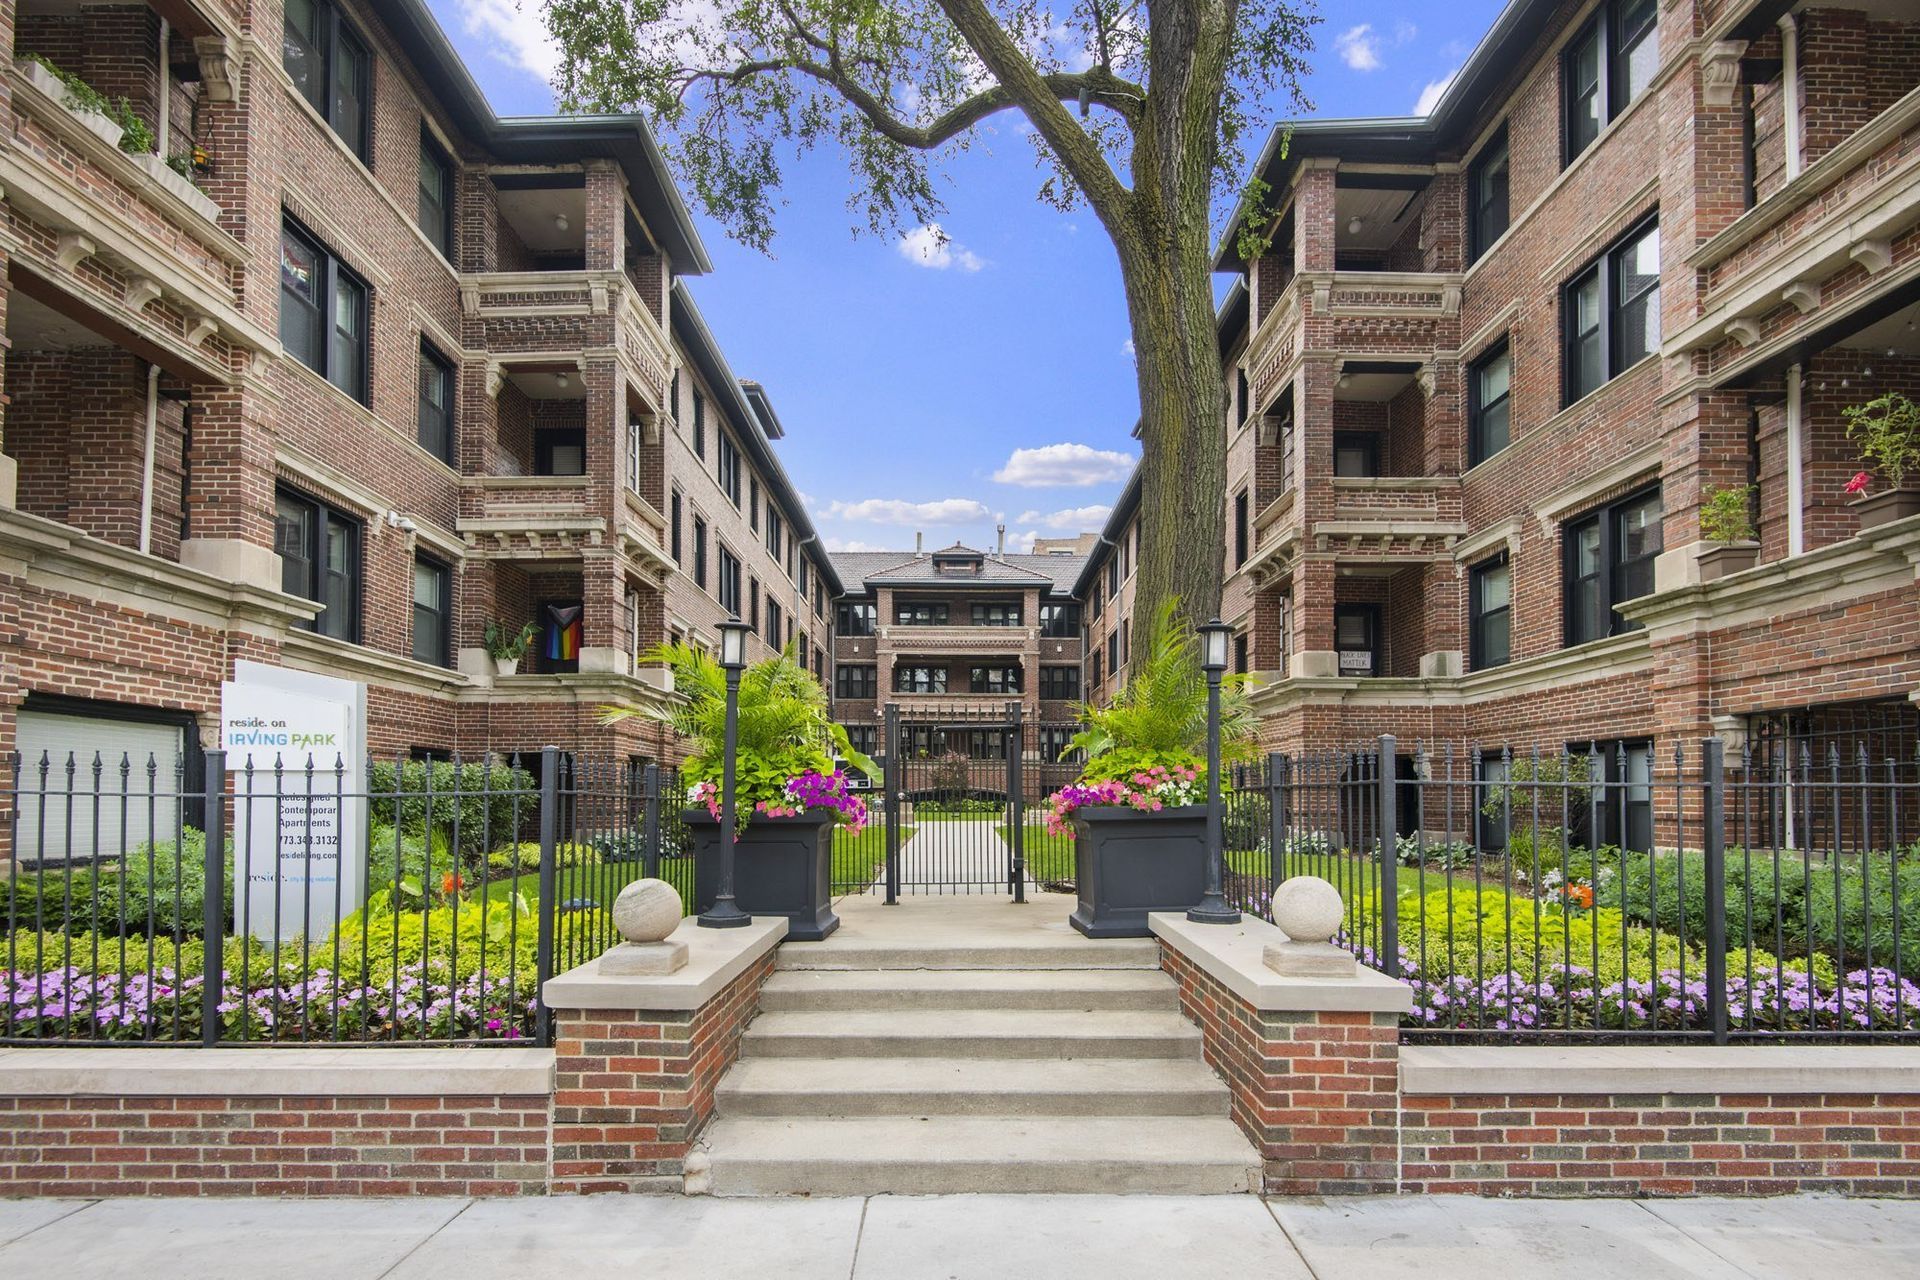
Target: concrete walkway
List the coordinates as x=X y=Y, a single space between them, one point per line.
x=957 y=1238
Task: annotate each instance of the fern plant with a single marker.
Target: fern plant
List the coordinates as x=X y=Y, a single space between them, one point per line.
x=782 y=728
x=1160 y=716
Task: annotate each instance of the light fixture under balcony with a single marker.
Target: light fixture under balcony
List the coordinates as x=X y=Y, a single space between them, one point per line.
x=560 y=222
x=1354 y=224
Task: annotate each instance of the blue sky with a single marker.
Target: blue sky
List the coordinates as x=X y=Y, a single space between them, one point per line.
x=947 y=390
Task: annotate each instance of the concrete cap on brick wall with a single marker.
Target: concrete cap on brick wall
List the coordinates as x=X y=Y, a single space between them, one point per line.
x=715 y=957
x=275 y=1072
x=1747 y=1069
x=1235 y=956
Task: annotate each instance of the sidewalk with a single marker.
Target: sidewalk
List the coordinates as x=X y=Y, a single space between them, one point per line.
x=957 y=1238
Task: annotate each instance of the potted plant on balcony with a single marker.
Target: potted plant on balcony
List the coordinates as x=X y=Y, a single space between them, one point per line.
x=506 y=648
x=1726 y=522
x=1886 y=430
x=789 y=795
x=1138 y=811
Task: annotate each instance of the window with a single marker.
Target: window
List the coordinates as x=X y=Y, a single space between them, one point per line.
x=1240 y=657
x=330 y=67
x=1610 y=313
x=436 y=195
x=1056 y=741
x=1060 y=683
x=636 y=451
x=1126 y=640
x=323 y=312
x=1607 y=66
x=432 y=611
x=1607 y=560
x=996 y=615
x=674 y=505
x=673 y=399
x=1093 y=671
x=753 y=603
x=1491 y=828
x=1356 y=633
x=1240 y=396
x=434 y=427
x=1097 y=606
x=729 y=584
x=1489 y=423
x=806 y=574
x=728 y=468
x=319 y=560
x=699 y=424
x=919 y=613
x=862 y=737
x=1487 y=214
x=1242 y=527
x=776 y=532
x=855 y=617
x=919 y=679
x=1490 y=606
x=753 y=506
x=1060 y=621
x=560 y=451
x=1113 y=651
x=699 y=552
x=856 y=682
x=994 y=680
x=1356 y=453
x=773 y=621
x=1623 y=802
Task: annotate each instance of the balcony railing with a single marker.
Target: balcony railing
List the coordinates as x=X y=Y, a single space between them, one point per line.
x=958 y=635
x=521 y=515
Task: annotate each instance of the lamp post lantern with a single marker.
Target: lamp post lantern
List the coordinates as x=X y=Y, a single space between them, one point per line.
x=725 y=913
x=1213 y=907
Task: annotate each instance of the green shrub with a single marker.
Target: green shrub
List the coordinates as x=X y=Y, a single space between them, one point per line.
x=1473 y=933
x=499 y=926
x=136 y=136
x=153 y=890
x=483 y=804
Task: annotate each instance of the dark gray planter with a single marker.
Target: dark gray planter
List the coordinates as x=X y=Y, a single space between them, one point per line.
x=781 y=867
x=1128 y=863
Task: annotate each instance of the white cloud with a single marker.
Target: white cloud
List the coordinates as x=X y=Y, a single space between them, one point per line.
x=1063 y=465
x=1073 y=518
x=1359 y=47
x=898 y=511
x=929 y=246
x=855 y=544
x=517 y=31
x=1430 y=96
x=1022 y=543
x=1126 y=348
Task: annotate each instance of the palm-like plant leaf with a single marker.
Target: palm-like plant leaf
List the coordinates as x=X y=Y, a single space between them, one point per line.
x=1162 y=709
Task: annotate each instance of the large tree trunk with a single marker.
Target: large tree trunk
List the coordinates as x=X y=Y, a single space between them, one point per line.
x=1167 y=268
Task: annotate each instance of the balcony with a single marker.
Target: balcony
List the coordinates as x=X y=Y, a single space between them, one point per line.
x=962 y=638
x=528 y=517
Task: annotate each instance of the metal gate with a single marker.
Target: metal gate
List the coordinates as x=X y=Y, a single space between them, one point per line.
x=958 y=803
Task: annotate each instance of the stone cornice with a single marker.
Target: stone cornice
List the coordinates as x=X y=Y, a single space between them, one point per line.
x=1595 y=660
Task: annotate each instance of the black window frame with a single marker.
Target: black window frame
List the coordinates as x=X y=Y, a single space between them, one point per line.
x=699 y=424
x=322 y=517
x=856 y=618
x=919 y=679
x=1479 y=407
x=774 y=617
x=699 y=552
x=676 y=505
x=547 y=439
x=1611 y=566
x=1489 y=214
x=1613 y=46
x=727 y=580
x=436 y=221
x=776 y=533
x=1060 y=620
x=1482 y=622
x=1371 y=613
x=856 y=681
x=1242 y=526
x=330 y=274
x=1366 y=441
x=335 y=36
x=1604 y=274
x=441 y=655
x=995 y=679
x=920 y=613
x=726 y=468
x=1059 y=683
x=995 y=613
x=435 y=364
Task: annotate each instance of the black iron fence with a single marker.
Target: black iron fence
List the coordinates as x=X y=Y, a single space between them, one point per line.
x=1620 y=892
x=414 y=902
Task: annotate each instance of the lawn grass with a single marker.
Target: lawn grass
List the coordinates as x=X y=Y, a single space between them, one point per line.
x=858 y=859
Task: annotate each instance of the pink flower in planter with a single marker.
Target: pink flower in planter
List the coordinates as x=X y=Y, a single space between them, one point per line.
x=1860 y=481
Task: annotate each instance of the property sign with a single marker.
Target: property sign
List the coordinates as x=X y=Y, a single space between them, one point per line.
x=296 y=754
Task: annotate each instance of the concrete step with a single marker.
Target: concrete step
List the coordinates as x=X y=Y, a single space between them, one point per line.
x=886 y=989
x=1169 y=1155
x=806 y=1088
x=842 y=952
x=969 y=1033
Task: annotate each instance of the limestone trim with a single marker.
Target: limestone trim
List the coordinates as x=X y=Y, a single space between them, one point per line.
x=1810 y=182
x=1235 y=956
x=1602 y=659
x=1389 y=483
x=1583 y=492
x=715 y=957
x=1507 y=532
x=325 y=655
x=58 y=557
x=1748 y=1070
x=281 y=1072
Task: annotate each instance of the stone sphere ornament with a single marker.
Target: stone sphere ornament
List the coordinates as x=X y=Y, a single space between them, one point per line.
x=1308 y=909
x=647 y=911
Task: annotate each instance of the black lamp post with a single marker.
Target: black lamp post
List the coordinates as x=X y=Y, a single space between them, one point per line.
x=1213 y=907
x=725 y=913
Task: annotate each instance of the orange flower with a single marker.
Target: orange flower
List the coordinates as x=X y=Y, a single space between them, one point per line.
x=1580 y=895
x=451 y=883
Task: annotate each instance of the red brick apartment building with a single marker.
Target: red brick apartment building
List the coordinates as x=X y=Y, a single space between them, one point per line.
x=959 y=634
x=1495 y=358
x=362 y=370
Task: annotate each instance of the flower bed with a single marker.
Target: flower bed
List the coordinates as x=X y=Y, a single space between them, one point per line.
x=1150 y=790
x=806 y=791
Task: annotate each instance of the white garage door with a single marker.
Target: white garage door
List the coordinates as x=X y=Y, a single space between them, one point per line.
x=78 y=818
